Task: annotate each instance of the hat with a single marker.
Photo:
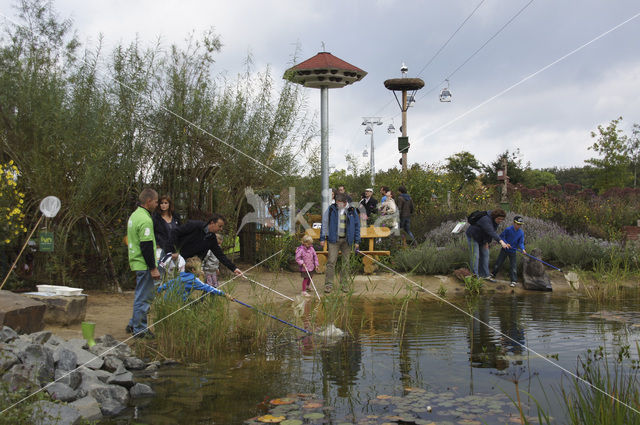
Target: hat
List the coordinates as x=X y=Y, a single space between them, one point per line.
x=368 y=189
x=518 y=220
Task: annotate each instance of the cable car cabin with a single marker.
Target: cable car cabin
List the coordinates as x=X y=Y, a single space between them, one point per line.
x=445 y=95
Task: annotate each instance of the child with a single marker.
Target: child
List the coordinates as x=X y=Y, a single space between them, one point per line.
x=306 y=257
x=514 y=236
x=189 y=280
x=211 y=266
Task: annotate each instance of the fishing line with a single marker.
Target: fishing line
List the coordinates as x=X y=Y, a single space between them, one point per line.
x=133 y=336
x=312 y=284
x=150 y=100
x=500 y=333
x=266 y=287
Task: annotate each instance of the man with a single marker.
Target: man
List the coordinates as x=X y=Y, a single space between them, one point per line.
x=341 y=189
x=383 y=193
x=142 y=260
x=369 y=203
x=196 y=238
x=405 y=206
x=341 y=228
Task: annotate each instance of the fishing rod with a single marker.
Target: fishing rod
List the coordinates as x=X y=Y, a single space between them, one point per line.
x=536 y=258
x=270 y=289
x=314 y=286
x=266 y=314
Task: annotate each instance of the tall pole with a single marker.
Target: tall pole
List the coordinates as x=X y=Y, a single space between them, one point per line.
x=404 y=130
x=372 y=162
x=324 y=146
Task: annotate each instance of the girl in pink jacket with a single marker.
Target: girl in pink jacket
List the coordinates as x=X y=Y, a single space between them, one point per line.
x=306 y=257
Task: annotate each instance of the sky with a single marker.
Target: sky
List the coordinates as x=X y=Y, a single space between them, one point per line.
x=548 y=114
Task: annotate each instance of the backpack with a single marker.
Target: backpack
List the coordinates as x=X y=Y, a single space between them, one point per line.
x=475 y=216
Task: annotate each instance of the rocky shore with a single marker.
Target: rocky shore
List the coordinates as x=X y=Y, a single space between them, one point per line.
x=93 y=382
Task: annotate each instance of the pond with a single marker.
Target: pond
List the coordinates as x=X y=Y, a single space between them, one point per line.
x=437 y=365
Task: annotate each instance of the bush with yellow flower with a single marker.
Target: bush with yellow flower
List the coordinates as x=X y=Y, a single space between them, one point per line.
x=11 y=204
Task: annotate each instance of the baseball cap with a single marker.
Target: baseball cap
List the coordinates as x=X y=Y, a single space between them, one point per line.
x=518 y=220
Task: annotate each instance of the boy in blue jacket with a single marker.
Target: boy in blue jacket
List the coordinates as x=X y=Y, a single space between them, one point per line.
x=188 y=281
x=514 y=236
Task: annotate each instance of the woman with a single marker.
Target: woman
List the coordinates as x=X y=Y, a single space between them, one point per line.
x=479 y=235
x=165 y=220
x=389 y=211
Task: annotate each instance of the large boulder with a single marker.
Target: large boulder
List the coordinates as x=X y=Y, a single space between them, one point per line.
x=84 y=357
x=535 y=274
x=88 y=408
x=21 y=313
x=113 y=399
x=71 y=378
x=141 y=390
x=46 y=413
x=121 y=377
x=61 y=309
x=41 y=358
x=22 y=376
x=65 y=359
x=60 y=391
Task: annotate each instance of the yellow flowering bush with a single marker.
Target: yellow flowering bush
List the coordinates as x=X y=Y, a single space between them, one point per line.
x=11 y=204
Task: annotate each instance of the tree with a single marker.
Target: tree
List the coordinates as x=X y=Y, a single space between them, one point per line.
x=634 y=152
x=613 y=169
x=583 y=176
x=538 y=178
x=463 y=167
x=515 y=170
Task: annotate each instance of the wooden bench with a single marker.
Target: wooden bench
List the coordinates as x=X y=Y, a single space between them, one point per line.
x=370 y=233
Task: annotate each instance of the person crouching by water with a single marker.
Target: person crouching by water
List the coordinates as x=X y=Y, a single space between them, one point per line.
x=189 y=280
x=479 y=235
x=307 y=259
x=341 y=228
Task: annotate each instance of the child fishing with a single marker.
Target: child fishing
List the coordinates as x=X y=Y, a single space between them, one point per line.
x=514 y=236
x=307 y=259
x=189 y=280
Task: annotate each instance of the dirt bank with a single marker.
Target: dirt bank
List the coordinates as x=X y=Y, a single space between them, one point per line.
x=111 y=311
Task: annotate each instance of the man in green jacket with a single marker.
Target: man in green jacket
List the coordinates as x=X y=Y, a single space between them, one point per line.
x=142 y=260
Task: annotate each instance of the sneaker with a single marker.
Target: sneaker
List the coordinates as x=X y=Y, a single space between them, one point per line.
x=128 y=329
x=147 y=334
x=490 y=279
x=327 y=289
x=305 y=294
x=512 y=284
x=492 y=275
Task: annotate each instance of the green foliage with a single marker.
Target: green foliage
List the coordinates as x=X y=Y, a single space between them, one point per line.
x=473 y=285
x=538 y=178
x=11 y=205
x=613 y=169
x=463 y=167
x=23 y=411
x=515 y=169
x=427 y=258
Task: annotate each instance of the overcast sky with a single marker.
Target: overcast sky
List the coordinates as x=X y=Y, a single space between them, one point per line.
x=549 y=116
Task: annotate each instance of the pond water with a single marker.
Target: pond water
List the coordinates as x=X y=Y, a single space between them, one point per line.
x=438 y=366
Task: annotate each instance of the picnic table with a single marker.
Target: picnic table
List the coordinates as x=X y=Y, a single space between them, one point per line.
x=367 y=234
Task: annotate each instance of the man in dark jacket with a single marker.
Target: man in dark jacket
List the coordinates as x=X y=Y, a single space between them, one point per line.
x=196 y=238
x=405 y=207
x=341 y=228
x=369 y=204
x=479 y=235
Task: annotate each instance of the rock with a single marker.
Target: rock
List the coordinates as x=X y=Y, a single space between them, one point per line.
x=70 y=378
x=55 y=340
x=21 y=313
x=122 y=377
x=22 y=376
x=88 y=408
x=85 y=358
x=60 y=391
x=134 y=363
x=141 y=390
x=79 y=343
x=40 y=357
x=111 y=363
x=65 y=359
x=151 y=368
x=103 y=375
x=61 y=309
x=113 y=399
x=46 y=413
x=39 y=337
x=7 y=334
x=120 y=350
x=535 y=275
x=7 y=359
x=107 y=340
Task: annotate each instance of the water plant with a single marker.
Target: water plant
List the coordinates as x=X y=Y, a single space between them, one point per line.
x=473 y=285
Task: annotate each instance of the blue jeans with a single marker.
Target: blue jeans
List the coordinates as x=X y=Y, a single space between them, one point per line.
x=512 y=262
x=405 y=224
x=478 y=258
x=142 y=300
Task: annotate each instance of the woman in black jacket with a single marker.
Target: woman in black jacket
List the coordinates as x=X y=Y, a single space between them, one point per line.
x=479 y=235
x=165 y=221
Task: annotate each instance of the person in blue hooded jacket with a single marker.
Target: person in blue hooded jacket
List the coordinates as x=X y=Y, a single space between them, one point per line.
x=187 y=281
x=479 y=235
x=514 y=236
x=341 y=228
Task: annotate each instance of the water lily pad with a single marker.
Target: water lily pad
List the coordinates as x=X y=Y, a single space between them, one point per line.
x=311 y=405
x=279 y=401
x=270 y=419
x=291 y=422
x=315 y=415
